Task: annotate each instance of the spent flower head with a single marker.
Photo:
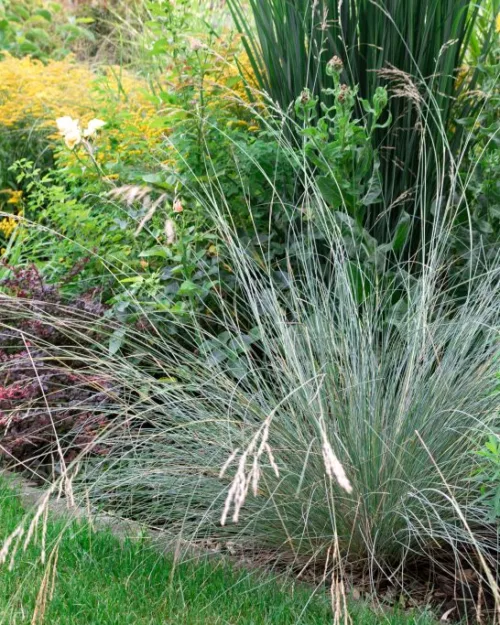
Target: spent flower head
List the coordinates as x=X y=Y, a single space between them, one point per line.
x=334 y=66
x=196 y=44
x=344 y=95
x=305 y=96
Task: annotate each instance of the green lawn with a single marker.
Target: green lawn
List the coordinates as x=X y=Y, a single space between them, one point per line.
x=103 y=581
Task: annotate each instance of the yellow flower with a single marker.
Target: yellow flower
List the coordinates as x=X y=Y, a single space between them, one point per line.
x=239 y=123
x=7 y=226
x=15 y=197
x=497 y=23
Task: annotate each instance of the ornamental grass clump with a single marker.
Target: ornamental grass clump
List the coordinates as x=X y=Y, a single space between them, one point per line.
x=347 y=419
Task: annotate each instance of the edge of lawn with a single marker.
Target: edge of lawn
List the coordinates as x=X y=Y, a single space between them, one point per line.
x=113 y=573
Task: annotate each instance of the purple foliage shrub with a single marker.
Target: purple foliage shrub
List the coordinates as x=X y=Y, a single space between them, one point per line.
x=52 y=405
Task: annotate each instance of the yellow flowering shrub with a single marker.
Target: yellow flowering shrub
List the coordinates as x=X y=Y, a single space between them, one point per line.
x=35 y=93
x=134 y=126
x=231 y=71
x=13 y=197
x=30 y=90
x=224 y=65
x=7 y=226
x=10 y=202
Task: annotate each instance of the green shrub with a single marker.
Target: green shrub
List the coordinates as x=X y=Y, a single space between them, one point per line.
x=39 y=29
x=479 y=169
x=141 y=252
x=59 y=230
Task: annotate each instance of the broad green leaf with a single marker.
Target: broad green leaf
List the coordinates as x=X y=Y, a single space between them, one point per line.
x=330 y=191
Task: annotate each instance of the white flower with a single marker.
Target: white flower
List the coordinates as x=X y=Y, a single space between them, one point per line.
x=70 y=130
x=93 y=126
x=72 y=138
x=66 y=124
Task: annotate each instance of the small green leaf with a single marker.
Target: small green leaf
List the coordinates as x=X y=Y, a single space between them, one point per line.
x=402 y=230
x=116 y=340
x=188 y=288
x=44 y=13
x=157 y=250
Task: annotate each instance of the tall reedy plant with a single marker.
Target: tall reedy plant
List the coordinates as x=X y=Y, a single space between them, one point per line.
x=414 y=47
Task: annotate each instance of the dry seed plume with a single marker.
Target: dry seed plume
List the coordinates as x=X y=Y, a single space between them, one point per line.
x=259 y=445
x=131 y=194
x=333 y=466
x=242 y=481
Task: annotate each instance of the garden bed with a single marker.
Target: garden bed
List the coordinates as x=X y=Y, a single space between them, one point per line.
x=250 y=284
